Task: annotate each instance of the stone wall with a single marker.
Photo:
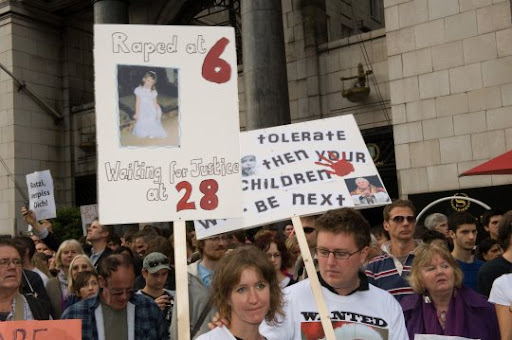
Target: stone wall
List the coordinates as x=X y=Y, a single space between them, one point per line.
x=315 y=66
x=450 y=71
x=54 y=59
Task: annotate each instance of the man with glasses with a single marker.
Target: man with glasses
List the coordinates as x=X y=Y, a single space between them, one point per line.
x=390 y=270
x=117 y=313
x=199 y=279
x=13 y=305
x=356 y=307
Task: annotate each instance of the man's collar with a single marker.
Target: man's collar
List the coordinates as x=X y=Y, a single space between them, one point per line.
x=363 y=284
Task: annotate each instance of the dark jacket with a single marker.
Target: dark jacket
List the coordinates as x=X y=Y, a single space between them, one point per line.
x=40 y=309
x=33 y=285
x=470 y=315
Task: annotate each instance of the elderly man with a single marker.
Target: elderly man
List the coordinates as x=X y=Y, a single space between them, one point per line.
x=117 y=313
x=13 y=305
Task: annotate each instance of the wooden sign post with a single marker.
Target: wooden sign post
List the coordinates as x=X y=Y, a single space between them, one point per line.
x=180 y=261
x=316 y=288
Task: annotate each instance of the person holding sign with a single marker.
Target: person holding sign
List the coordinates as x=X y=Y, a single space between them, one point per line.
x=245 y=291
x=342 y=241
x=148 y=113
x=442 y=304
x=13 y=305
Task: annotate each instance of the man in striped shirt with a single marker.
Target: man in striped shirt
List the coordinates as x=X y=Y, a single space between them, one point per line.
x=390 y=270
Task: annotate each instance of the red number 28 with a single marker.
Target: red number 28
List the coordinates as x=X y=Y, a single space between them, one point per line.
x=209 y=201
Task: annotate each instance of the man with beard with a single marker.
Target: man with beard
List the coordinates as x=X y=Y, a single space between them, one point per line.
x=463 y=232
x=199 y=279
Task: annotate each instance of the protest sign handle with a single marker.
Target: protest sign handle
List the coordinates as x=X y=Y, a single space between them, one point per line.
x=313 y=278
x=180 y=260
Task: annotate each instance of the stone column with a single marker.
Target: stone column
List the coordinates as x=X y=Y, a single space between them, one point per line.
x=110 y=11
x=264 y=62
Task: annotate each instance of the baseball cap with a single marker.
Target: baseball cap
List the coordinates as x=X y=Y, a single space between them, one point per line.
x=153 y=262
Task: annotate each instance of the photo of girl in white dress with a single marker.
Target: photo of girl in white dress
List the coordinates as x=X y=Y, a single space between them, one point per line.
x=148 y=106
x=148 y=114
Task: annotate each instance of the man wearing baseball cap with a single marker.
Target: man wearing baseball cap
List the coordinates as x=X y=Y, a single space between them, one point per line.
x=155 y=269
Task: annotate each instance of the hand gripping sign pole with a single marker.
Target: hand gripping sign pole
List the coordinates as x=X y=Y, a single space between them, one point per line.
x=180 y=260
x=313 y=278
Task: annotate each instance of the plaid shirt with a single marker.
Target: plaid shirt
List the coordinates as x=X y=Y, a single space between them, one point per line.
x=149 y=320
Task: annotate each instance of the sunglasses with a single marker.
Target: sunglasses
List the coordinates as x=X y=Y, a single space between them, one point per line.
x=153 y=264
x=309 y=230
x=400 y=219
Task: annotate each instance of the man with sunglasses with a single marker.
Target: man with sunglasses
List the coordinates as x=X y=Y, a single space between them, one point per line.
x=355 y=306
x=117 y=313
x=391 y=270
x=308 y=225
x=155 y=270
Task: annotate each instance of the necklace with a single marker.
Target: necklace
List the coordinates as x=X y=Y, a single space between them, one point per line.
x=441 y=316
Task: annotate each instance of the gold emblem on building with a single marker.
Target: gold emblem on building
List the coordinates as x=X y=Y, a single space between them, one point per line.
x=460 y=204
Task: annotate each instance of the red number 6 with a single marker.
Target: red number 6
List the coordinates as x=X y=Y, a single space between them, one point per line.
x=215 y=69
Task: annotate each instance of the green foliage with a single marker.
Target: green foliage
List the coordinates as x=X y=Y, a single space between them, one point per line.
x=68 y=223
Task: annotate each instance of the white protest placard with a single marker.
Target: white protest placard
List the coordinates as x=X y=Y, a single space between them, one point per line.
x=167 y=123
x=41 y=195
x=88 y=213
x=302 y=169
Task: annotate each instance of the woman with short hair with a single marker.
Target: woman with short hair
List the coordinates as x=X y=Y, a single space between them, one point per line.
x=57 y=287
x=441 y=304
x=245 y=291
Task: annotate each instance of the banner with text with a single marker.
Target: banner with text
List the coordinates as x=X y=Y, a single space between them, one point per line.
x=41 y=195
x=167 y=123
x=302 y=169
x=39 y=330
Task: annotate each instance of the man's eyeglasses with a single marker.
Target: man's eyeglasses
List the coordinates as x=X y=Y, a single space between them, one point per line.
x=308 y=230
x=7 y=262
x=153 y=264
x=401 y=219
x=338 y=254
x=121 y=292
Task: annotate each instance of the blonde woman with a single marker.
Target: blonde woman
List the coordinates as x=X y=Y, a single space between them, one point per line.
x=57 y=287
x=442 y=305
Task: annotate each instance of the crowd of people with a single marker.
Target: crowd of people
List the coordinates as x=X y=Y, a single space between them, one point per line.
x=388 y=282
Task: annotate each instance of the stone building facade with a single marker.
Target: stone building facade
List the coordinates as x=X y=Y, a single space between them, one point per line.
x=439 y=101
x=450 y=79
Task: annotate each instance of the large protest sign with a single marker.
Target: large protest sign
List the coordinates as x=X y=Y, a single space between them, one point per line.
x=39 y=330
x=302 y=169
x=167 y=123
x=41 y=195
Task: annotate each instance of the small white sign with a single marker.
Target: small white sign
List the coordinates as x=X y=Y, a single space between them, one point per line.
x=40 y=193
x=167 y=123
x=302 y=169
x=88 y=213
